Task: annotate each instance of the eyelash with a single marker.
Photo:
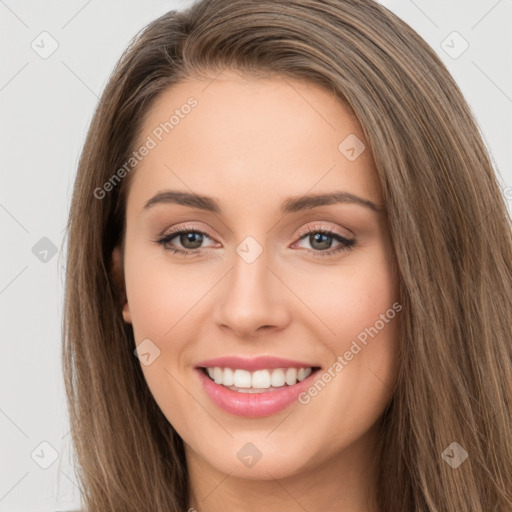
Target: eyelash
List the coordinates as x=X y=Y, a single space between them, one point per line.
x=345 y=243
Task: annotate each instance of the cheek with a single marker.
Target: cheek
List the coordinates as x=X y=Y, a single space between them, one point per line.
x=160 y=294
x=349 y=298
x=361 y=309
x=161 y=298
x=357 y=311
x=364 y=298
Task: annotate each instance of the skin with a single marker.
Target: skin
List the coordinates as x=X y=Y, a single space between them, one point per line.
x=251 y=144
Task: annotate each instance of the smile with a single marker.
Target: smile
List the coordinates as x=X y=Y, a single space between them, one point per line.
x=257 y=387
x=259 y=381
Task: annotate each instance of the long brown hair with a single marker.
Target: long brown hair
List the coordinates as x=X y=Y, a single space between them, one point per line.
x=449 y=225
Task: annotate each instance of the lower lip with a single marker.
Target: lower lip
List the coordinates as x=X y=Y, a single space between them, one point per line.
x=253 y=404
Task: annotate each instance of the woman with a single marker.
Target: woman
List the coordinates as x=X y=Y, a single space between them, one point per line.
x=290 y=271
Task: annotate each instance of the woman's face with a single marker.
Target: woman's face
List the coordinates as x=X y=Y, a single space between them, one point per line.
x=271 y=265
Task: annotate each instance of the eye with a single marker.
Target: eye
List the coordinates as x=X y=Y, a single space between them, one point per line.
x=190 y=240
x=321 y=240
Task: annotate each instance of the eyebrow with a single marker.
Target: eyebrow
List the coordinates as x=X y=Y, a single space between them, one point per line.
x=290 y=205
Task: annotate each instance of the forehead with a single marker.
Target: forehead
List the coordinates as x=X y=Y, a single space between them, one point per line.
x=258 y=139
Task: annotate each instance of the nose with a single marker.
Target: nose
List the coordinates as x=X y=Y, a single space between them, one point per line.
x=252 y=299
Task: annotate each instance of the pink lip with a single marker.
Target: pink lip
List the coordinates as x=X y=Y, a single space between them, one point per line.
x=253 y=404
x=256 y=363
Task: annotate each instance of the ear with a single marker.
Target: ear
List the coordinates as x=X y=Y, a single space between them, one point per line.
x=117 y=272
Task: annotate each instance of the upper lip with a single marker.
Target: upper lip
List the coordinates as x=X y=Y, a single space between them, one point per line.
x=253 y=364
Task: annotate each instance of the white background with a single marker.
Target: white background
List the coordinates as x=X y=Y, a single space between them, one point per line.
x=45 y=109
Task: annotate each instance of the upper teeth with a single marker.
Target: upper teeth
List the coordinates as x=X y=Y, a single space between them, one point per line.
x=259 y=379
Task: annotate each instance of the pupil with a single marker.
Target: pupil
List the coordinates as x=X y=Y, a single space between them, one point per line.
x=323 y=239
x=187 y=238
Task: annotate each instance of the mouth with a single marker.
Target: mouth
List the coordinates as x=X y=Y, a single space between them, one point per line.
x=255 y=387
x=259 y=381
